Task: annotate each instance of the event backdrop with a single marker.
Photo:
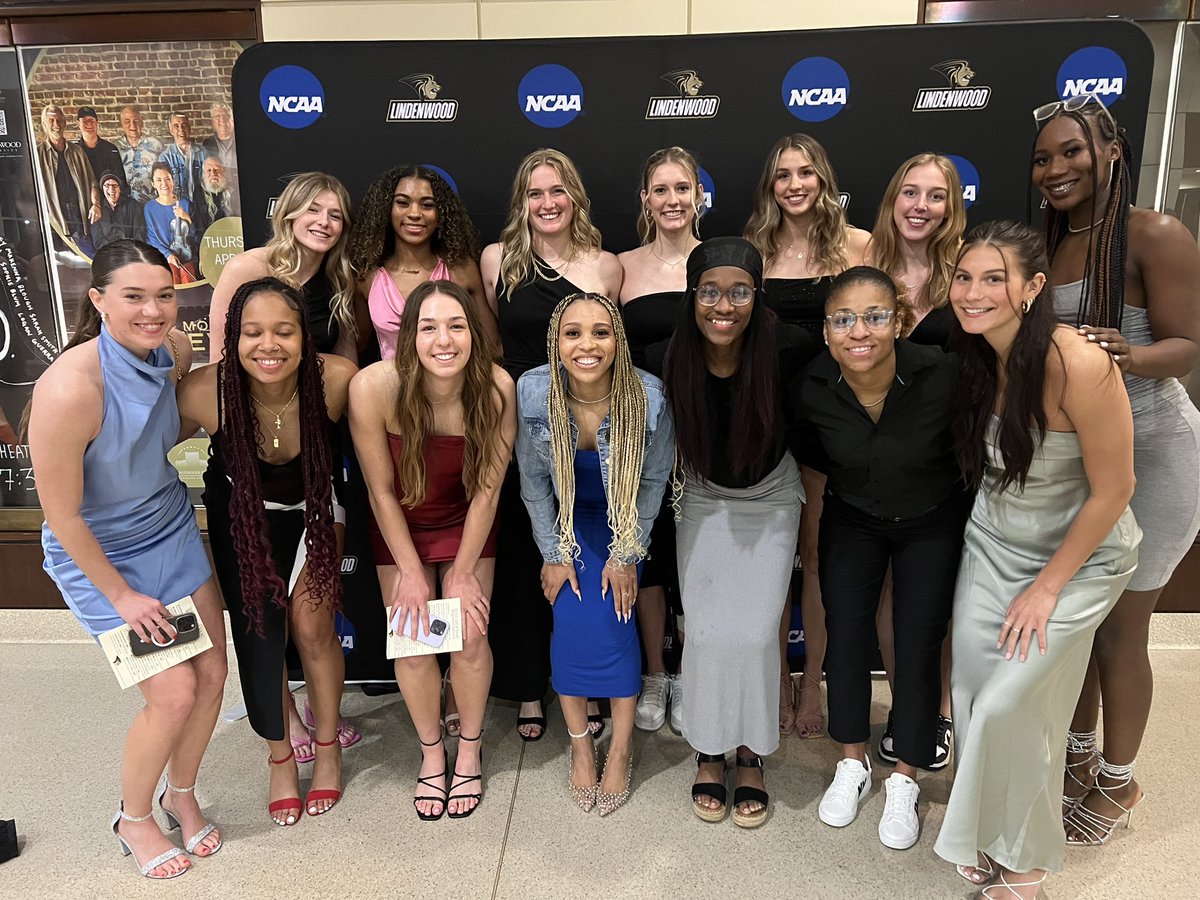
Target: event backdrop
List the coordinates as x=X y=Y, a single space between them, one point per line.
x=873 y=97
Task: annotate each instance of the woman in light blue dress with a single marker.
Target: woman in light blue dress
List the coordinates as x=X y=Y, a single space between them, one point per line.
x=120 y=536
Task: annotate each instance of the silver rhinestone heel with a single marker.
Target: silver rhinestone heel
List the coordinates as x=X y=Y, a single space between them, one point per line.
x=147 y=867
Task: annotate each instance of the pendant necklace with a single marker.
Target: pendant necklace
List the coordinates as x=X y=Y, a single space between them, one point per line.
x=277 y=415
x=667 y=263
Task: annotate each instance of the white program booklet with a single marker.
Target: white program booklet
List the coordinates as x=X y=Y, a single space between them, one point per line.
x=131 y=669
x=445 y=631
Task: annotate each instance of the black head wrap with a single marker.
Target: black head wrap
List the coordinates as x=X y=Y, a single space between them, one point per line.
x=724 y=251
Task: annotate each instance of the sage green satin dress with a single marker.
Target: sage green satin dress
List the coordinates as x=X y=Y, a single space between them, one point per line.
x=1011 y=717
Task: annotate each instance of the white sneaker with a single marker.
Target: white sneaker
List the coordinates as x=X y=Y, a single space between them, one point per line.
x=851 y=782
x=677 y=704
x=899 y=826
x=652 y=704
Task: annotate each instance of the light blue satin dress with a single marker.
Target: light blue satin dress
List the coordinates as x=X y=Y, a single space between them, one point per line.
x=133 y=500
x=1011 y=717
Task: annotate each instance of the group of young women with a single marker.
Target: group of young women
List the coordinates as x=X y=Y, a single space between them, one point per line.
x=663 y=427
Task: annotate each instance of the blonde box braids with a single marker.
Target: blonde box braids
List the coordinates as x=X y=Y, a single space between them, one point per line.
x=626 y=430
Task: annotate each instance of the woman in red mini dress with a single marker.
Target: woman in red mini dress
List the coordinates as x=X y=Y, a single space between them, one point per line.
x=434 y=430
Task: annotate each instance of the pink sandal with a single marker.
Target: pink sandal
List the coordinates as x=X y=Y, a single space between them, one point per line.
x=347 y=734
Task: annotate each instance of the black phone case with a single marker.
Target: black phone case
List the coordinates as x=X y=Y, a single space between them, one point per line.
x=139 y=647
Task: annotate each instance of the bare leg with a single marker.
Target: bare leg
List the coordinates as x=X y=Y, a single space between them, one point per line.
x=325 y=674
x=947 y=659
x=652 y=620
x=810 y=721
x=211 y=668
x=583 y=751
x=748 y=777
x=787 y=687
x=1080 y=774
x=420 y=684
x=883 y=630
x=616 y=766
x=471 y=675
x=1127 y=688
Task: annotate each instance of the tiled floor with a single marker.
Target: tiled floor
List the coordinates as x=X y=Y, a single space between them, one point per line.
x=63 y=720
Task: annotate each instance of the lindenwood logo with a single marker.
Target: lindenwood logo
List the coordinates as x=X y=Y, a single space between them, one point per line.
x=690 y=104
x=960 y=95
x=427 y=107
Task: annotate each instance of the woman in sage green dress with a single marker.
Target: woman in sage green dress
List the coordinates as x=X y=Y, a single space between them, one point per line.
x=1046 y=433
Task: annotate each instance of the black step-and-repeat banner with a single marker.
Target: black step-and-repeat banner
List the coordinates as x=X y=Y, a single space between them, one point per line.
x=873 y=97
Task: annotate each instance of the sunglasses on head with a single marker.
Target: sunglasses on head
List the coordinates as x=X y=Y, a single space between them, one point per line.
x=1048 y=111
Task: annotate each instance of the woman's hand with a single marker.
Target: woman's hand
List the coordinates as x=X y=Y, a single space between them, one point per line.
x=553 y=576
x=623 y=581
x=466 y=587
x=1029 y=612
x=147 y=616
x=1111 y=340
x=410 y=599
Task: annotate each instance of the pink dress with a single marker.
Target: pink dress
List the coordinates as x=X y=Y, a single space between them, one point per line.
x=386 y=303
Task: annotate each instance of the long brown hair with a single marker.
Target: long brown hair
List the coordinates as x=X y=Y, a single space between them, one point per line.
x=482 y=401
x=826 y=234
x=647 y=230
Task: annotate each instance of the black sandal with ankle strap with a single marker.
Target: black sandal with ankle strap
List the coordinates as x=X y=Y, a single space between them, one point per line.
x=746 y=794
x=713 y=789
x=430 y=817
x=466 y=779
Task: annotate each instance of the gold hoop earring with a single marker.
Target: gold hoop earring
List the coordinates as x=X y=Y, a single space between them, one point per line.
x=646 y=212
x=1026 y=305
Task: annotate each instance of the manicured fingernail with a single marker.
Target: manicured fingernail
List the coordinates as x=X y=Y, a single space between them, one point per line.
x=1091 y=337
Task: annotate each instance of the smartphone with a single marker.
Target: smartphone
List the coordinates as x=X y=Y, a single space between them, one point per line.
x=437 y=630
x=187 y=629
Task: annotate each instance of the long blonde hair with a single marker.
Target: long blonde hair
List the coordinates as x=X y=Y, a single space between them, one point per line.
x=942 y=249
x=283 y=250
x=627 y=439
x=646 y=228
x=516 y=264
x=826 y=234
x=482 y=401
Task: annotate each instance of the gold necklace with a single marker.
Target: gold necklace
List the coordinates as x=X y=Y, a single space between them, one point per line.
x=1085 y=227
x=799 y=253
x=877 y=402
x=277 y=415
x=588 y=402
x=542 y=265
x=670 y=265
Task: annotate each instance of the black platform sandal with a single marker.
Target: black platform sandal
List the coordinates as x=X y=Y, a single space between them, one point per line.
x=430 y=817
x=713 y=789
x=749 y=795
x=466 y=779
x=538 y=721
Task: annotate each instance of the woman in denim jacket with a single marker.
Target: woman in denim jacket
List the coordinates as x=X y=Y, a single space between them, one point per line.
x=595 y=446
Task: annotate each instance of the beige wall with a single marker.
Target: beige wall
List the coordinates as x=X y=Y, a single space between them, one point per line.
x=312 y=20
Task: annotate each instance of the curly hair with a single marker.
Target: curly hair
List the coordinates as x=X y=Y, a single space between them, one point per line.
x=482 y=401
x=826 y=234
x=517 y=263
x=283 y=250
x=646 y=228
x=242 y=436
x=941 y=250
x=1102 y=299
x=627 y=437
x=373 y=239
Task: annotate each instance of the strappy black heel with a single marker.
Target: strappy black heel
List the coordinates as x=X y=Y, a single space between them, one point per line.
x=713 y=789
x=430 y=817
x=748 y=794
x=466 y=779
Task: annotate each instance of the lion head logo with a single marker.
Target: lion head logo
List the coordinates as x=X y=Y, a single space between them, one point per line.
x=957 y=71
x=687 y=80
x=425 y=85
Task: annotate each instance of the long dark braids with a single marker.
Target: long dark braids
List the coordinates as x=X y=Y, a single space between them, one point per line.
x=1102 y=298
x=242 y=436
x=1024 y=369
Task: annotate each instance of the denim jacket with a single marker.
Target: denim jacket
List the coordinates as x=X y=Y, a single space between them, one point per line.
x=539 y=484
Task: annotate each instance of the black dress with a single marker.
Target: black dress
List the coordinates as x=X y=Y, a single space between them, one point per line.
x=934 y=329
x=260 y=658
x=800 y=301
x=317 y=294
x=648 y=320
x=521 y=620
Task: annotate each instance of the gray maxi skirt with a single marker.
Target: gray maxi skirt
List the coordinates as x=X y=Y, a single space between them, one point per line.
x=736 y=547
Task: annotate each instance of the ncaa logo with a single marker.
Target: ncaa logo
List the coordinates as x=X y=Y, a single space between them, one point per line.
x=445 y=175
x=550 y=96
x=708 y=190
x=292 y=97
x=815 y=89
x=1093 y=70
x=346 y=632
x=969 y=176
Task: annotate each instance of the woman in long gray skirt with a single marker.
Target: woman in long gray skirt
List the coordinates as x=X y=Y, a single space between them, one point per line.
x=739 y=514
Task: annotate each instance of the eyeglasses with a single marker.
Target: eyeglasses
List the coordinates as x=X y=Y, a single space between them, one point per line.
x=1072 y=104
x=710 y=294
x=875 y=320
